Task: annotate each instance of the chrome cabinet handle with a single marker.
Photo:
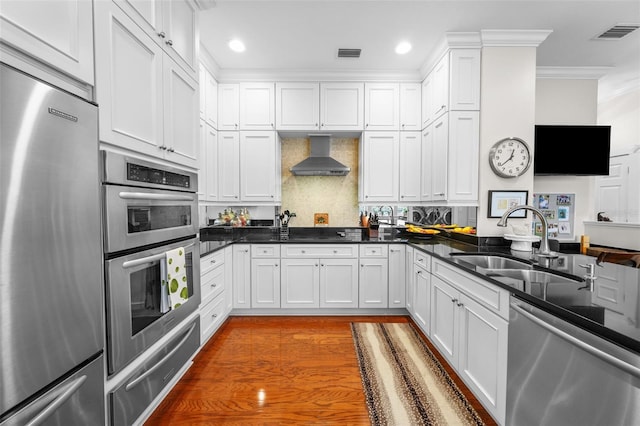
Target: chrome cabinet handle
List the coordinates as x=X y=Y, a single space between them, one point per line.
x=67 y=392
x=454 y=300
x=460 y=304
x=160 y=363
x=169 y=42
x=161 y=34
x=171 y=150
x=631 y=369
x=214 y=285
x=125 y=195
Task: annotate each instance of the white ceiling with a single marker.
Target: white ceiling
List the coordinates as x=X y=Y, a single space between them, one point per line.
x=303 y=35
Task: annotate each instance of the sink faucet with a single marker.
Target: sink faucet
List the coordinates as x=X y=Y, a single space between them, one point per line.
x=544 y=252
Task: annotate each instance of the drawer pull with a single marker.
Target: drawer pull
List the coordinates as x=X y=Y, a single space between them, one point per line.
x=214 y=315
x=213 y=261
x=454 y=300
x=335 y=251
x=213 y=285
x=460 y=304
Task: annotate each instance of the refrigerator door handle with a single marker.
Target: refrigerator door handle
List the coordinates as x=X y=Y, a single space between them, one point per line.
x=159 y=364
x=634 y=371
x=66 y=393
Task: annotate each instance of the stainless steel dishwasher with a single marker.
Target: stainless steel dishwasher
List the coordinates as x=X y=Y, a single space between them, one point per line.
x=560 y=374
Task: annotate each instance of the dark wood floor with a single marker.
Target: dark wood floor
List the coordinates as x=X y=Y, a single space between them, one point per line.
x=276 y=370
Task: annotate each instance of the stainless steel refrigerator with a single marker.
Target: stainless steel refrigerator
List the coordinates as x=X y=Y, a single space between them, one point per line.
x=51 y=289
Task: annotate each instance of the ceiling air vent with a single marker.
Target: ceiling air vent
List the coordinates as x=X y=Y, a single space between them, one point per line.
x=349 y=53
x=618 y=31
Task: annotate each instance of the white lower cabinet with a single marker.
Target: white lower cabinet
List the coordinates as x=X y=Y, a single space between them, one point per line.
x=319 y=276
x=241 y=276
x=471 y=334
x=421 y=297
x=397 y=276
x=212 y=291
x=374 y=276
x=265 y=276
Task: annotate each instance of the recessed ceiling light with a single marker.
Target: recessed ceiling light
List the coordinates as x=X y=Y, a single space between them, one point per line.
x=236 y=45
x=403 y=47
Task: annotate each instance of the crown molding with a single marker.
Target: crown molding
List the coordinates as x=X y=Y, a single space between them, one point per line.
x=572 y=73
x=506 y=38
x=268 y=75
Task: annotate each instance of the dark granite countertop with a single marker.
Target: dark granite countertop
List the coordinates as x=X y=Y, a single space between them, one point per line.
x=594 y=311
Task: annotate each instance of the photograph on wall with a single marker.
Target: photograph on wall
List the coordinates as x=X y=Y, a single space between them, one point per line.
x=543 y=201
x=563 y=213
x=549 y=214
x=564 y=228
x=552 y=231
x=563 y=200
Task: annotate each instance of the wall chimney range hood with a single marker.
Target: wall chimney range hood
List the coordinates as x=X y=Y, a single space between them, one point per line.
x=319 y=162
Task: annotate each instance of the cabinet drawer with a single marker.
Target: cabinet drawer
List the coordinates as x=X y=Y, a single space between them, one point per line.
x=373 y=250
x=320 y=250
x=265 y=250
x=211 y=316
x=211 y=261
x=212 y=283
x=489 y=295
x=422 y=259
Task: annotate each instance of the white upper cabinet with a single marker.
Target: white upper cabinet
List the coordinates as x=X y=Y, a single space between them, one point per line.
x=452 y=85
x=410 y=167
x=259 y=167
x=382 y=106
x=208 y=97
x=208 y=163
x=463 y=156
x=228 y=106
x=297 y=106
x=229 y=167
x=380 y=163
x=257 y=106
x=59 y=33
x=341 y=106
x=172 y=24
x=410 y=107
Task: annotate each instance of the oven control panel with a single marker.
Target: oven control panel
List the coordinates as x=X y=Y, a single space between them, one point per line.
x=145 y=174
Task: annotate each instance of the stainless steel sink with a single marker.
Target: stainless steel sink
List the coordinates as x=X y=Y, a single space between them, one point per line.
x=532 y=276
x=490 y=261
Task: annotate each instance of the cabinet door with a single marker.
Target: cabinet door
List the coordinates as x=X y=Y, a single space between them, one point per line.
x=338 y=283
x=410 y=167
x=241 y=276
x=440 y=72
x=211 y=99
x=210 y=163
x=202 y=158
x=464 y=94
x=228 y=279
x=382 y=106
x=426 y=169
x=129 y=83
x=297 y=106
x=341 y=106
x=202 y=78
x=410 y=107
x=464 y=147
x=265 y=283
x=422 y=298
x=258 y=166
x=397 y=276
x=427 y=101
x=257 y=106
x=181 y=115
x=374 y=283
x=228 y=106
x=440 y=158
x=611 y=191
x=482 y=357
x=180 y=25
x=59 y=33
x=380 y=166
x=300 y=283
x=444 y=319
x=409 y=271
x=229 y=166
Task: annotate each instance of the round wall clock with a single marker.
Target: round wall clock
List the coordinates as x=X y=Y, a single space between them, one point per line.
x=510 y=157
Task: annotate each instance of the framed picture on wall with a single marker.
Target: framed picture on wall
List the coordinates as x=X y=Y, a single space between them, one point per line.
x=501 y=201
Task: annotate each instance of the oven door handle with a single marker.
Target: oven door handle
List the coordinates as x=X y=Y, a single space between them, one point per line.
x=155 y=197
x=159 y=364
x=149 y=259
x=65 y=393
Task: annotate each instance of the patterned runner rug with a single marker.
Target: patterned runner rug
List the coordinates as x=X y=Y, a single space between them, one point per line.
x=404 y=384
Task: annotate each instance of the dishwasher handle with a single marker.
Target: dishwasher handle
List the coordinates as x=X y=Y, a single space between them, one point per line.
x=631 y=369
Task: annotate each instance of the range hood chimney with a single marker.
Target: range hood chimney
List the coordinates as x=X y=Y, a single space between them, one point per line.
x=319 y=162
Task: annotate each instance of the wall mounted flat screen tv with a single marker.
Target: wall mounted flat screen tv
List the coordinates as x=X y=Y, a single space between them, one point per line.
x=571 y=150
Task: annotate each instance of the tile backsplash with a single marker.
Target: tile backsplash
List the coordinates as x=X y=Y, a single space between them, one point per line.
x=307 y=195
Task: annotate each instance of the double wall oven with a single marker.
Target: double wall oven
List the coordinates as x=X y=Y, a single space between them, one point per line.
x=149 y=209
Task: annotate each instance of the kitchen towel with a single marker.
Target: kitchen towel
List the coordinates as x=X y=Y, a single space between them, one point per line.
x=177 y=277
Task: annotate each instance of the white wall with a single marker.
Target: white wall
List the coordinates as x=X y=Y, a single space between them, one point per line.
x=622 y=112
x=507 y=84
x=567 y=101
